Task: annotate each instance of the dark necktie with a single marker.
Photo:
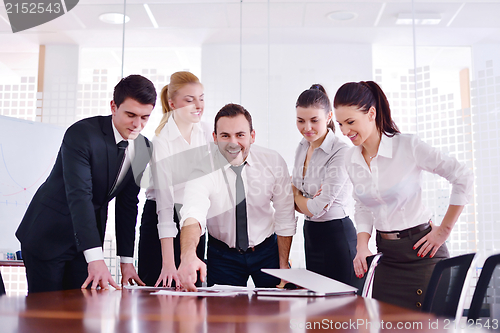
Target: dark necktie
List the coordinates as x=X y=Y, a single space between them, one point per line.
x=122 y=146
x=241 y=211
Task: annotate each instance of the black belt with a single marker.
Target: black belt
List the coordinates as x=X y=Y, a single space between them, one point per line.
x=404 y=233
x=212 y=241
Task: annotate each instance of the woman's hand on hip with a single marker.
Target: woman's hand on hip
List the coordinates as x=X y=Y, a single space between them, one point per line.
x=431 y=242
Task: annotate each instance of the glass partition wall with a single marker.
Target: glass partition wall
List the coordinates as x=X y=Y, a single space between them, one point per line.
x=438 y=62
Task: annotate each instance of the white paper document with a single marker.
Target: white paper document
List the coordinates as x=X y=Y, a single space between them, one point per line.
x=214 y=291
x=136 y=287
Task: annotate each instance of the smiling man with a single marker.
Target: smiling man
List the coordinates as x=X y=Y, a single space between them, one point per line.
x=101 y=158
x=246 y=204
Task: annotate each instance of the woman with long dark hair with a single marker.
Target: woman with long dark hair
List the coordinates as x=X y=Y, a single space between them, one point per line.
x=385 y=168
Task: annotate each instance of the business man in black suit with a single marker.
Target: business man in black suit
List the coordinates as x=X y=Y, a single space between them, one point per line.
x=62 y=232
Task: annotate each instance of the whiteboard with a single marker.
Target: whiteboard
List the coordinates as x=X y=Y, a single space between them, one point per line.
x=28 y=151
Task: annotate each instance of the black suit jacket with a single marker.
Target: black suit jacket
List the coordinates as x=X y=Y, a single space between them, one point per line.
x=71 y=207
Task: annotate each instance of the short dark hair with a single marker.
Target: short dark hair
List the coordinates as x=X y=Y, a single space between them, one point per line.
x=136 y=87
x=231 y=111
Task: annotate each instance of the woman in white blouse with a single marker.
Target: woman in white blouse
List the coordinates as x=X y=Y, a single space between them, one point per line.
x=385 y=168
x=322 y=188
x=180 y=143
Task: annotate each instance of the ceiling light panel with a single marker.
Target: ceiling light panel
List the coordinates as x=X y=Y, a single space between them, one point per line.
x=151 y=16
x=426 y=14
x=114 y=18
x=418 y=18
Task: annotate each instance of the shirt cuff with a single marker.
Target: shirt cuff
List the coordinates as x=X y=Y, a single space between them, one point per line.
x=166 y=230
x=166 y=225
x=198 y=217
x=461 y=199
x=364 y=228
x=126 y=260
x=93 y=254
x=314 y=208
x=287 y=228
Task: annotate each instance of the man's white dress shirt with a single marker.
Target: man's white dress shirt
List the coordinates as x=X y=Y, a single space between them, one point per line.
x=210 y=199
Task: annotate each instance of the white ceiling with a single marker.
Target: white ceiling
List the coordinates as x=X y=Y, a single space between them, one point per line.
x=193 y=23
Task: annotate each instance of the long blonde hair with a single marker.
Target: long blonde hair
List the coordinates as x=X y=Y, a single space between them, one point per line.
x=177 y=81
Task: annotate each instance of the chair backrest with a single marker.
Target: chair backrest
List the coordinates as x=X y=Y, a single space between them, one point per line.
x=482 y=285
x=372 y=262
x=444 y=291
x=2 y=286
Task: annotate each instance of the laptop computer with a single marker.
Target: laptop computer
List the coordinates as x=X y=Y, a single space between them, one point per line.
x=314 y=284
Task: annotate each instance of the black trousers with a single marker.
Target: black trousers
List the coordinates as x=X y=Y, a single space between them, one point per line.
x=150 y=260
x=330 y=248
x=228 y=266
x=67 y=271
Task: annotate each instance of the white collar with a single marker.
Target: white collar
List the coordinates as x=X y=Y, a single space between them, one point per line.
x=118 y=136
x=385 y=146
x=327 y=144
x=248 y=161
x=384 y=149
x=173 y=131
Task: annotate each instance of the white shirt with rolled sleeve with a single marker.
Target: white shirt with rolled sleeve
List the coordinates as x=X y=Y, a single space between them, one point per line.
x=172 y=164
x=389 y=196
x=269 y=199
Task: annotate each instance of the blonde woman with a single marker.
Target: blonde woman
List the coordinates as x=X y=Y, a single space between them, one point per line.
x=180 y=143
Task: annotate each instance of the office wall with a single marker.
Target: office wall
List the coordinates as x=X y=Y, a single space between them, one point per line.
x=271 y=78
x=28 y=151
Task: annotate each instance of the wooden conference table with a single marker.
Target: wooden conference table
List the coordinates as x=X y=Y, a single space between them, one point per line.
x=138 y=311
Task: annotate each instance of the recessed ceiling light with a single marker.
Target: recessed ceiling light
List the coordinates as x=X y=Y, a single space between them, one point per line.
x=420 y=18
x=342 y=16
x=113 y=18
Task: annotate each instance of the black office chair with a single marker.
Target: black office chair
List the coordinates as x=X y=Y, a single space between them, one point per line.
x=2 y=286
x=444 y=291
x=367 y=279
x=476 y=307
